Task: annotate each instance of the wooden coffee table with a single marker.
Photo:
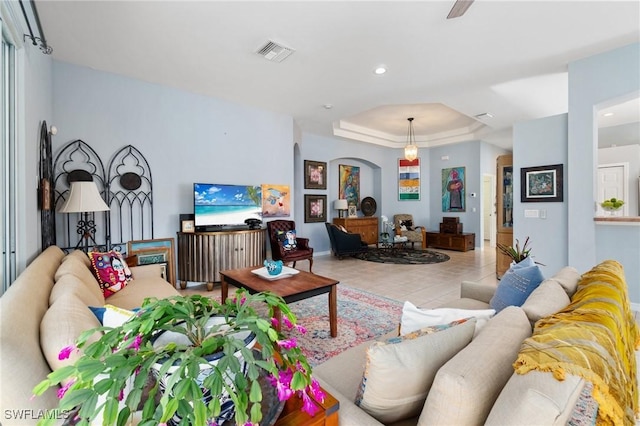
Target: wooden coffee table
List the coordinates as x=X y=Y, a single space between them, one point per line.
x=292 y=289
x=327 y=414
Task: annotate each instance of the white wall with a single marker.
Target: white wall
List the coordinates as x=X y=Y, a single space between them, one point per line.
x=35 y=84
x=185 y=137
x=542 y=142
x=593 y=81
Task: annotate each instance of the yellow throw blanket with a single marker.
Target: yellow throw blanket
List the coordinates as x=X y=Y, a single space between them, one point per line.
x=594 y=337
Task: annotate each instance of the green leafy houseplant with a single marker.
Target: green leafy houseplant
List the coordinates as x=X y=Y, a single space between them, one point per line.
x=111 y=377
x=517 y=253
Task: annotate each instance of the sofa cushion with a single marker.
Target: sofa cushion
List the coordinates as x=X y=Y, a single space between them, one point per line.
x=70 y=284
x=414 y=318
x=536 y=398
x=545 y=300
x=110 y=270
x=63 y=323
x=139 y=289
x=74 y=266
x=398 y=373
x=466 y=387
x=568 y=278
x=517 y=284
x=80 y=255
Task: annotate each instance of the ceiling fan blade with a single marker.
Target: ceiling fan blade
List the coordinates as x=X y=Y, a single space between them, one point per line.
x=459 y=8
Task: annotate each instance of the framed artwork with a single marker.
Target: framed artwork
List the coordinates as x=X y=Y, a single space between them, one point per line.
x=541 y=184
x=276 y=201
x=408 y=179
x=349 y=184
x=353 y=211
x=453 y=189
x=315 y=208
x=187 y=226
x=151 y=252
x=315 y=175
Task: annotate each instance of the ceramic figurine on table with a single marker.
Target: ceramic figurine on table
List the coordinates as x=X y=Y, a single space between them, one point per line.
x=274 y=267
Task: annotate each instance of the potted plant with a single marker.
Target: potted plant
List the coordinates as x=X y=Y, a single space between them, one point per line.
x=517 y=253
x=111 y=377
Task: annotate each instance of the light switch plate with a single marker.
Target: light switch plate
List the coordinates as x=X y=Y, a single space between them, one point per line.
x=532 y=213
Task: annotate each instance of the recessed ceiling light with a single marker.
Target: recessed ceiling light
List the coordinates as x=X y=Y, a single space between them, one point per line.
x=484 y=115
x=327 y=106
x=380 y=70
x=607 y=114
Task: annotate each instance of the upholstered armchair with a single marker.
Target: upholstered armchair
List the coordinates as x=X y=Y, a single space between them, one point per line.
x=405 y=227
x=344 y=243
x=288 y=248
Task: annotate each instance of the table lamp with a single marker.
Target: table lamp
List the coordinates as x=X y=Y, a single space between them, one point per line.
x=84 y=198
x=342 y=206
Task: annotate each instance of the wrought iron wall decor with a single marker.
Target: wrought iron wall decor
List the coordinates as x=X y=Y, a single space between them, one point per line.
x=126 y=186
x=45 y=193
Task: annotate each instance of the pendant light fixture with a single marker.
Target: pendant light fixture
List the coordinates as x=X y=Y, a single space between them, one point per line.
x=411 y=149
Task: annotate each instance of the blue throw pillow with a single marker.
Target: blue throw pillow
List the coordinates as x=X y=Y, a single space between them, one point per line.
x=516 y=285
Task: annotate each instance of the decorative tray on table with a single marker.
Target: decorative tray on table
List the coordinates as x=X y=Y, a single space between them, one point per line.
x=286 y=272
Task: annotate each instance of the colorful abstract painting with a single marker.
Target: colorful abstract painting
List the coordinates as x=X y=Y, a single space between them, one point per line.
x=349 y=188
x=453 y=192
x=408 y=179
x=276 y=201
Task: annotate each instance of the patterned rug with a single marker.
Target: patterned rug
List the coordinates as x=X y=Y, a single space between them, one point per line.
x=362 y=316
x=403 y=256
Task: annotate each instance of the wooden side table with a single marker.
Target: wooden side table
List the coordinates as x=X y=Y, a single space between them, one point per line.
x=327 y=415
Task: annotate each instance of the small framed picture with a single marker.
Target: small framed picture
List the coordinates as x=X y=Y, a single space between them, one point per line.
x=315 y=208
x=541 y=184
x=187 y=226
x=353 y=211
x=315 y=175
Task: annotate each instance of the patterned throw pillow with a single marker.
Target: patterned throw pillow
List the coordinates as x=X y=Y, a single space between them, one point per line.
x=288 y=239
x=516 y=285
x=406 y=225
x=112 y=316
x=110 y=270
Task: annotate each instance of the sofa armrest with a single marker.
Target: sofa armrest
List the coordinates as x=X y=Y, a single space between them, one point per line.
x=144 y=271
x=349 y=413
x=477 y=291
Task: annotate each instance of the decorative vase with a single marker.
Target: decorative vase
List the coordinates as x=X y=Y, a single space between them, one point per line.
x=227 y=407
x=274 y=267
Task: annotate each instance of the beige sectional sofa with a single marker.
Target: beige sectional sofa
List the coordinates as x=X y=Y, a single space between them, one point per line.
x=44 y=310
x=478 y=385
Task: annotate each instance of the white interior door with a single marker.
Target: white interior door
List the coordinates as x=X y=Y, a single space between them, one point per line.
x=489 y=209
x=612 y=183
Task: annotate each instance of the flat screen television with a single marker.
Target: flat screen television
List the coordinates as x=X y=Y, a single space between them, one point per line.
x=218 y=206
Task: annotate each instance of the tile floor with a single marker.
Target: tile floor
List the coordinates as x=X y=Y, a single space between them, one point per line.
x=427 y=286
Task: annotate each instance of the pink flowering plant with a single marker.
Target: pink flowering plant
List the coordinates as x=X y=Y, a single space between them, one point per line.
x=111 y=377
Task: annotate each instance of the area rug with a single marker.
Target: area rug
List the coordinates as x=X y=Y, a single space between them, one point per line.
x=362 y=316
x=403 y=256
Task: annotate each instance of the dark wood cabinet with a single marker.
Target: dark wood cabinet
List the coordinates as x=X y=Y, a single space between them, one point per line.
x=459 y=242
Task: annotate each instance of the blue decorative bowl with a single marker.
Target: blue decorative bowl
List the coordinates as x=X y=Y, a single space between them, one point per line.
x=274 y=267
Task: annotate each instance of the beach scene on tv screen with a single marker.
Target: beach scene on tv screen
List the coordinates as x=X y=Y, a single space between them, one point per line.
x=226 y=204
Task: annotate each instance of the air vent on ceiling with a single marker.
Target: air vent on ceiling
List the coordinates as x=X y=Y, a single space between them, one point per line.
x=274 y=51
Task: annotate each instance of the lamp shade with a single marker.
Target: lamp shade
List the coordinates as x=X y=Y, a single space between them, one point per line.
x=340 y=205
x=84 y=197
